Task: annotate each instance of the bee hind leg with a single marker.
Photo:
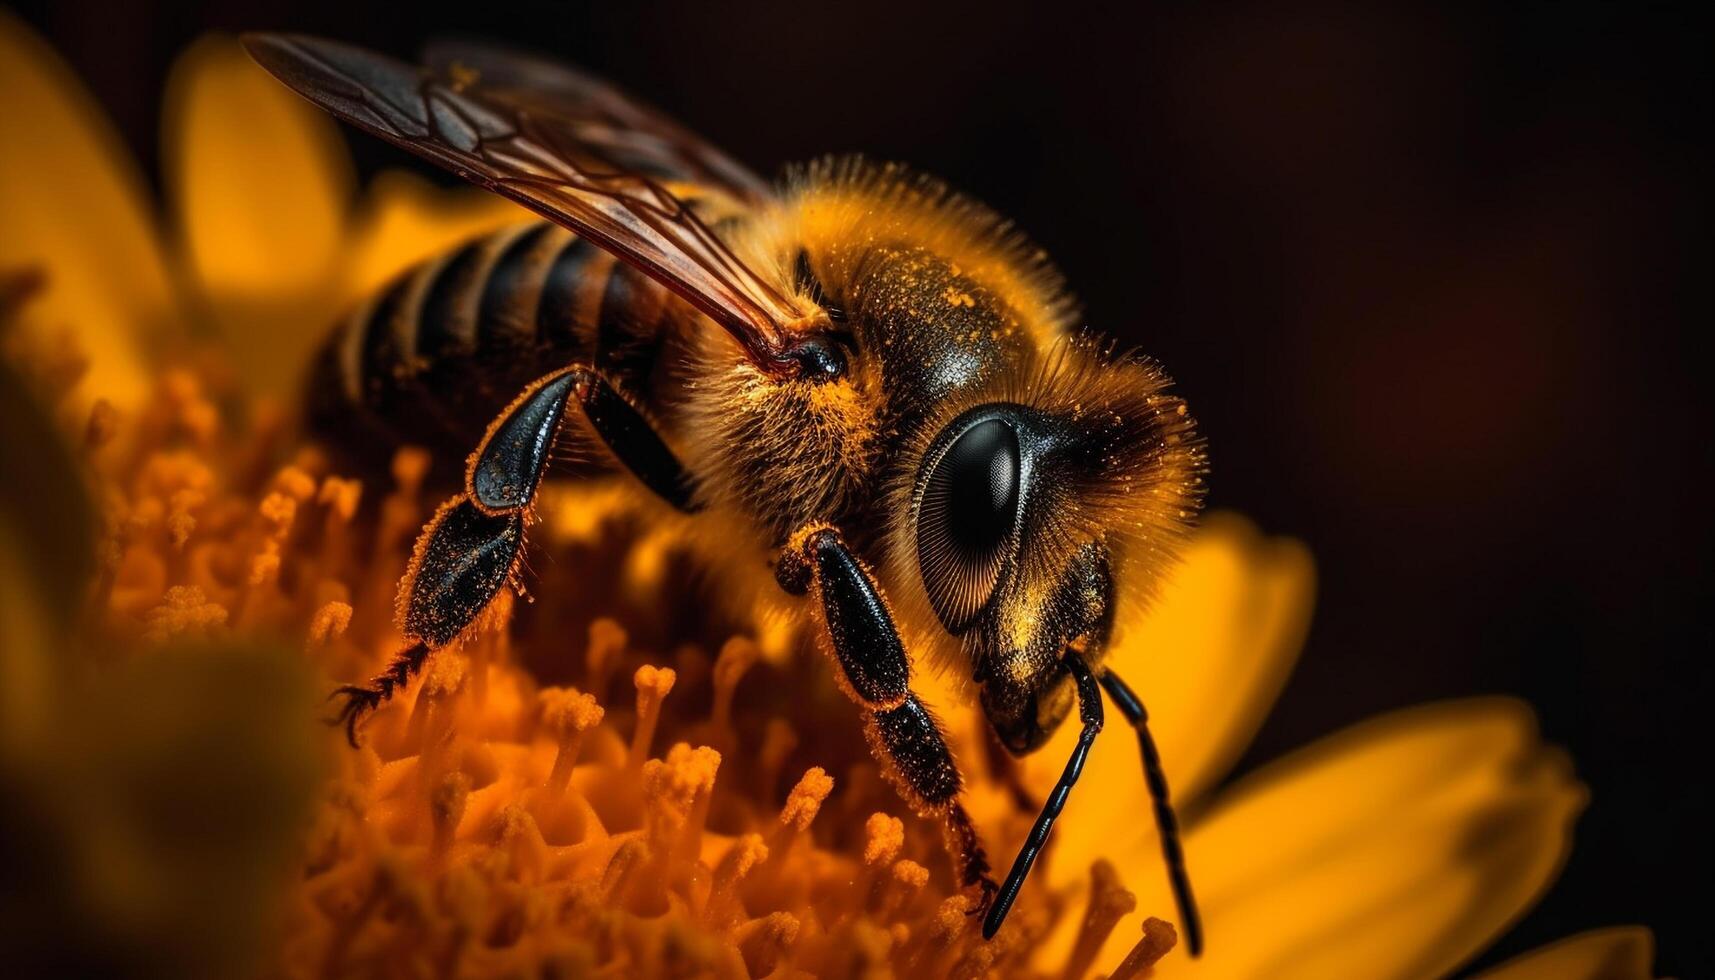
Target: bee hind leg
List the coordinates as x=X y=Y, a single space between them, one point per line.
x=875 y=672
x=470 y=550
x=507 y=468
x=462 y=560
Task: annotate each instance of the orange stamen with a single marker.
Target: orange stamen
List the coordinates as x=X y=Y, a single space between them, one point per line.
x=653 y=683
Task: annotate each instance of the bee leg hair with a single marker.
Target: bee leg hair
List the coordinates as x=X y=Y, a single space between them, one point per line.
x=470 y=549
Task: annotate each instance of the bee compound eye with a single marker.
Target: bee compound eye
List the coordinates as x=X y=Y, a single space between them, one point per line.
x=967 y=520
x=819 y=360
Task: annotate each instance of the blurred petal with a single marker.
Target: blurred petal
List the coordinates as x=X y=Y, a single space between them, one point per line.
x=75 y=205
x=1618 y=953
x=406 y=220
x=169 y=806
x=1208 y=660
x=1397 y=848
x=1211 y=657
x=47 y=548
x=261 y=186
x=27 y=658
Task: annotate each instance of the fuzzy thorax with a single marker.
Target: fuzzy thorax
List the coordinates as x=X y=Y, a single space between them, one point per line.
x=941 y=307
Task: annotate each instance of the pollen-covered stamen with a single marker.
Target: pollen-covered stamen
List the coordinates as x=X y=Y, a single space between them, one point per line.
x=735 y=866
x=339 y=497
x=949 y=932
x=802 y=805
x=431 y=713
x=1159 y=938
x=884 y=835
x=904 y=880
x=183 y=611
x=763 y=941
x=279 y=511
x=673 y=788
x=567 y=713
x=328 y=625
x=1109 y=903
x=521 y=841
x=696 y=769
x=653 y=683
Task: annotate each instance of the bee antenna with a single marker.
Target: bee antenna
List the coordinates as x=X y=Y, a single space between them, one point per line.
x=1165 y=820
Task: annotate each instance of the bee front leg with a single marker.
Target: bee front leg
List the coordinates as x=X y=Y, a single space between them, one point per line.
x=876 y=673
x=470 y=550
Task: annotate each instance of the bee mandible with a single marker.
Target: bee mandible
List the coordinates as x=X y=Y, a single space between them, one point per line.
x=871 y=382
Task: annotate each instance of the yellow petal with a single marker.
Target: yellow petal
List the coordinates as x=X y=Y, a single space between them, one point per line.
x=1398 y=848
x=73 y=203
x=1212 y=655
x=261 y=187
x=1618 y=953
x=1208 y=660
x=406 y=220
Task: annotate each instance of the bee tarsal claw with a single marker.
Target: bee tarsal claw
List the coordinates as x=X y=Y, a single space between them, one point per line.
x=357 y=704
x=360 y=700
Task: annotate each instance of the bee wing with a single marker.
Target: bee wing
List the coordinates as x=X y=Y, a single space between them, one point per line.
x=520 y=144
x=629 y=133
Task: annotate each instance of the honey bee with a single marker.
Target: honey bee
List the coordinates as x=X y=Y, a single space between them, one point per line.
x=858 y=380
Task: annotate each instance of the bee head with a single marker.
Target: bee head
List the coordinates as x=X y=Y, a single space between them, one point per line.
x=1038 y=516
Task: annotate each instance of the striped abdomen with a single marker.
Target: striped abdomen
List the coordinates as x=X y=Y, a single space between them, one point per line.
x=433 y=357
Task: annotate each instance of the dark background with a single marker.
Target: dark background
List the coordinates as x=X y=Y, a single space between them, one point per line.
x=1427 y=278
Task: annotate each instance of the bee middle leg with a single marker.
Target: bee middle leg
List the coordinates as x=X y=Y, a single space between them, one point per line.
x=470 y=549
x=876 y=673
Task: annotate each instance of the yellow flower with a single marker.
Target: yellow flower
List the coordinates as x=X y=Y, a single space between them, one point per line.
x=600 y=784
